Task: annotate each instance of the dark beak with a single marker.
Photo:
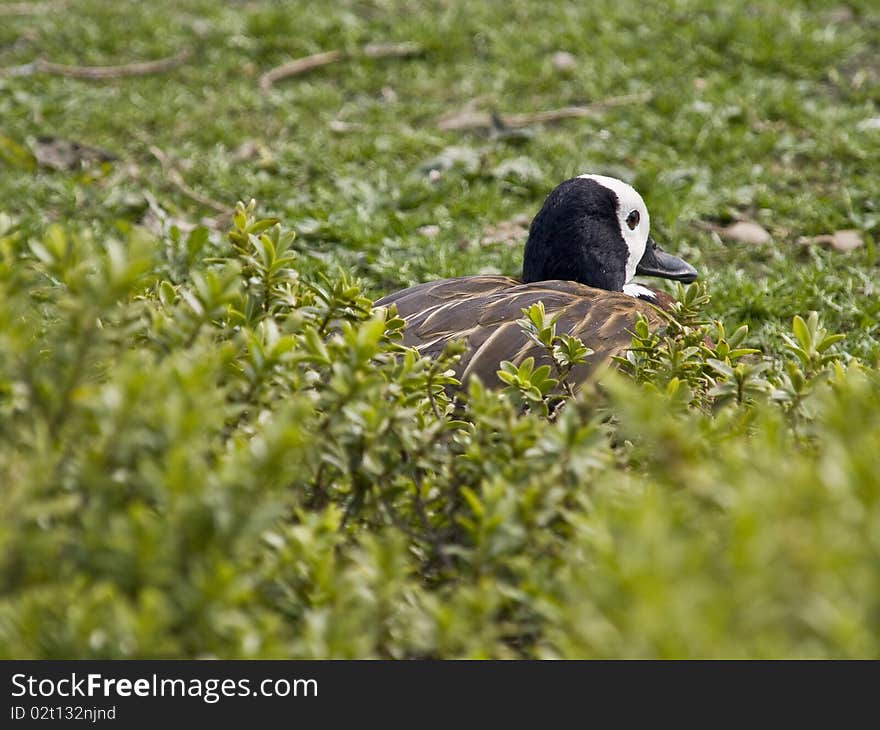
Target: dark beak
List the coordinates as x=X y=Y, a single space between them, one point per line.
x=656 y=262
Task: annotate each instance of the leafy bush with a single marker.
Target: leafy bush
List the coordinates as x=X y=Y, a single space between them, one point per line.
x=204 y=453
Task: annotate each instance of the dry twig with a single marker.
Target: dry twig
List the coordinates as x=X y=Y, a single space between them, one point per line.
x=142 y=68
x=467 y=118
x=297 y=67
x=391 y=50
x=319 y=60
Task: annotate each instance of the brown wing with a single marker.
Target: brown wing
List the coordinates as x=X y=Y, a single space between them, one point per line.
x=483 y=311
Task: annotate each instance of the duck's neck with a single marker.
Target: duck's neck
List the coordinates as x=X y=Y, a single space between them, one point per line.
x=576 y=237
x=583 y=250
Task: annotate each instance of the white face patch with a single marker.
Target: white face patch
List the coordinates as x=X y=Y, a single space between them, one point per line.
x=628 y=201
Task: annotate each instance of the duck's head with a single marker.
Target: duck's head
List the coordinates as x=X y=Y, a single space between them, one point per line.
x=596 y=230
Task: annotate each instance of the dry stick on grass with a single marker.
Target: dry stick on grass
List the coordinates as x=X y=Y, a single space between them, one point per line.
x=143 y=68
x=467 y=118
x=176 y=179
x=297 y=67
x=319 y=60
x=391 y=50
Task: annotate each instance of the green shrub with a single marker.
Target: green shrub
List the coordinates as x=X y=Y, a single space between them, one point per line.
x=204 y=453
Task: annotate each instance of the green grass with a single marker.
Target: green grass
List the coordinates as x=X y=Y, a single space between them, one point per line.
x=195 y=460
x=754 y=110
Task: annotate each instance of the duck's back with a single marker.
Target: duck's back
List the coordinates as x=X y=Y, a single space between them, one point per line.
x=483 y=312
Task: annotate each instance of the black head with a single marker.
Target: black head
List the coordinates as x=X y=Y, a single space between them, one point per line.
x=595 y=230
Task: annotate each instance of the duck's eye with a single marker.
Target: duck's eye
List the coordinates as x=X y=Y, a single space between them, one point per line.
x=632 y=220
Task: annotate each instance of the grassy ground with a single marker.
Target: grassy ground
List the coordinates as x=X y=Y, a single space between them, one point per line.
x=741 y=110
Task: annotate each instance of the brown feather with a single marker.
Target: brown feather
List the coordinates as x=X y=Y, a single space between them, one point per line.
x=483 y=312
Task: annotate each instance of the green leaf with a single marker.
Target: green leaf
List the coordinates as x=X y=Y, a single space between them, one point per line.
x=261 y=225
x=802 y=333
x=829 y=341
